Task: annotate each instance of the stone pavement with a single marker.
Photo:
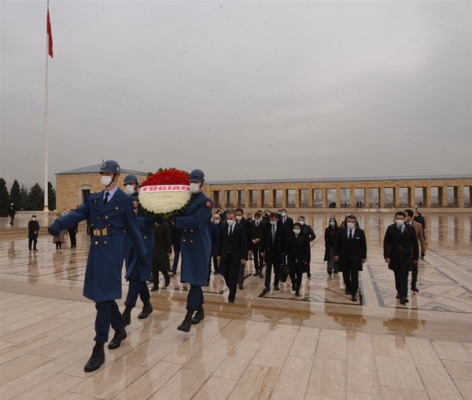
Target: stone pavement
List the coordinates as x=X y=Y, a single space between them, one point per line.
x=316 y=346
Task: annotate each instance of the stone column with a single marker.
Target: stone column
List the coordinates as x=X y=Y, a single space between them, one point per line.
x=366 y=197
x=427 y=196
x=338 y=198
x=396 y=197
x=459 y=196
x=324 y=197
x=442 y=196
x=260 y=199
x=411 y=197
x=272 y=195
x=352 y=197
x=382 y=197
x=284 y=198
x=311 y=198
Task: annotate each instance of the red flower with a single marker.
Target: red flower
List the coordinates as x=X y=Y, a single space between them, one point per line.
x=169 y=176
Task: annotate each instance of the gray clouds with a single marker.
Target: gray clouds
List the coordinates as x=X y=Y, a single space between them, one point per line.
x=243 y=90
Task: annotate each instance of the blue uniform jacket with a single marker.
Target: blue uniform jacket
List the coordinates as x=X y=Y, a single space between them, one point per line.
x=146 y=226
x=195 y=244
x=106 y=253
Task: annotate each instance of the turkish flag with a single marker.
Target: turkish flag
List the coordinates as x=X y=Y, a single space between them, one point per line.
x=49 y=31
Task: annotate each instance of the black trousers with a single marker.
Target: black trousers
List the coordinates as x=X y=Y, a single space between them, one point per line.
x=258 y=260
x=230 y=269
x=108 y=314
x=414 y=275
x=73 y=240
x=351 y=277
x=296 y=273
x=401 y=281
x=195 y=297
x=33 y=241
x=272 y=263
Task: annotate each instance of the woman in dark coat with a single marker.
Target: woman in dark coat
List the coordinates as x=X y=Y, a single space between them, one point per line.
x=298 y=256
x=330 y=233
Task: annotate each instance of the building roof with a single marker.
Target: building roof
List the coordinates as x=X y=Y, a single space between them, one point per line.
x=92 y=169
x=346 y=179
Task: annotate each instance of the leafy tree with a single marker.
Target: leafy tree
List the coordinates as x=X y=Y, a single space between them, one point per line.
x=51 y=197
x=36 y=198
x=3 y=198
x=23 y=205
x=15 y=195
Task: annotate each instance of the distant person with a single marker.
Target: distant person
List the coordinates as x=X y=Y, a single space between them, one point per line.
x=273 y=249
x=11 y=213
x=73 y=235
x=232 y=252
x=239 y=215
x=401 y=251
x=214 y=229
x=59 y=239
x=112 y=213
x=298 y=255
x=419 y=233
x=257 y=229
x=330 y=234
x=420 y=219
x=162 y=253
x=33 y=232
x=350 y=251
x=307 y=230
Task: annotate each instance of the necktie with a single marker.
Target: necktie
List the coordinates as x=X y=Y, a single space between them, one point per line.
x=105 y=201
x=350 y=233
x=230 y=230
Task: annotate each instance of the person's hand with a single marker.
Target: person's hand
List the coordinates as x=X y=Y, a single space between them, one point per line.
x=336 y=258
x=387 y=260
x=243 y=261
x=169 y=254
x=55 y=228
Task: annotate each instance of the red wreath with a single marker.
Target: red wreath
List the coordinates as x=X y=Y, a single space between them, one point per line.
x=169 y=176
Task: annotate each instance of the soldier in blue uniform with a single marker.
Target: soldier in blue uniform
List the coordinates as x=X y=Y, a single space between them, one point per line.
x=137 y=275
x=195 y=247
x=113 y=220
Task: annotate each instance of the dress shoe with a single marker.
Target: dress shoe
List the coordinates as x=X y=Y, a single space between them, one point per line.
x=398 y=296
x=309 y=275
x=347 y=291
x=297 y=292
x=403 y=300
x=167 y=282
x=256 y=274
x=116 y=341
x=261 y=276
x=230 y=301
x=330 y=273
x=147 y=309
x=266 y=289
x=415 y=289
x=154 y=288
x=199 y=315
x=186 y=324
x=97 y=358
x=241 y=287
x=353 y=297
x=276 y=288
x=127 y=316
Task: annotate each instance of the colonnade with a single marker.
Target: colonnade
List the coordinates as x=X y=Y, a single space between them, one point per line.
x=395 y=193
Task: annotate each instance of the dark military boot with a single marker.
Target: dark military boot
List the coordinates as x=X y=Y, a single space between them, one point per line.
x=199 y=315
x=147 y=309
x=127 y=315
x=187 y=322
x=97 y=358
x=116 y=341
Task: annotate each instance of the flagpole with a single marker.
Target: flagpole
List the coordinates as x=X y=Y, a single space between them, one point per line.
x=46 y=123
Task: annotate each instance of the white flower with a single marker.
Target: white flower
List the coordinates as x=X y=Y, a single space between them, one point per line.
x=164 y=202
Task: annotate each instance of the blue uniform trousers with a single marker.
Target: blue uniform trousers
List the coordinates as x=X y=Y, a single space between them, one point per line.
x=401 y=281
x=195 y=297
x=136 y=287
x=108 y=314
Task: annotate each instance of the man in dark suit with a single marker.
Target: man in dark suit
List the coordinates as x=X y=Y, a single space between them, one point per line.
x=257 y=229
x=401 y=250
x=350 y=250
x=273 y=248
x=239 y=214
x=307 y=230
x=232 y=252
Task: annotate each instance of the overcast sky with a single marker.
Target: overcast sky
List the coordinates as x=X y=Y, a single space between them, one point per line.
x=242 y=90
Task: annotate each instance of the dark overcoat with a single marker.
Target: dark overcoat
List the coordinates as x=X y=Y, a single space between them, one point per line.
x=162 y=247
x=106 y=253
x=401 y=248
x=195 y=244
x=350 y=251
x=146 y=227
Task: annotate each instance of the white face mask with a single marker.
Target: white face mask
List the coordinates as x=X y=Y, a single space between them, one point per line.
x=301 y=222
x=273 y=222
x=296 y=231
x=231 y=222
x=194 y=187
x=351 y=225
x=106 y=180
x=216 y=221
x=239 y=217
x=283 y=214
x=129 y=189
x=400 y=222
x=34 y=219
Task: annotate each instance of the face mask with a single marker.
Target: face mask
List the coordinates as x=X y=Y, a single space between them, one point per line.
x=283 y=214
x=129 y=189
x=296 y=231
x=273 y=222
x=301 y=222
x=194 y=187
x=34 y=219
x=239 y=217
x=400 y=223
x=106 y=180
x=216 y=221
x=351 y=225
x=332 y=223
x=231 y=222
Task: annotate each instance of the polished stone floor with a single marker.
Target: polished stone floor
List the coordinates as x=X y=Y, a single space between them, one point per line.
x=278 y=346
